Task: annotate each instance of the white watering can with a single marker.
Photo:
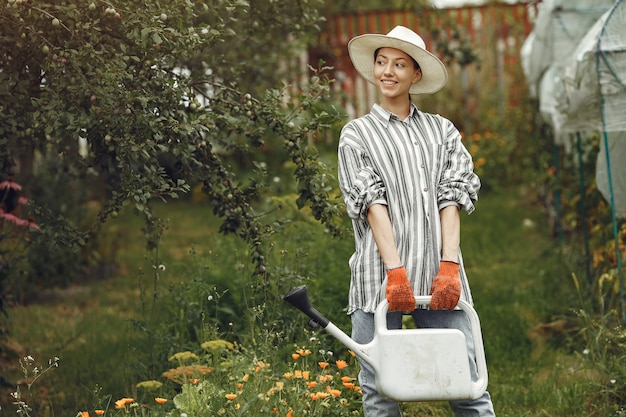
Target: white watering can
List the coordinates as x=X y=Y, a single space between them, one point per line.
x=412 y=364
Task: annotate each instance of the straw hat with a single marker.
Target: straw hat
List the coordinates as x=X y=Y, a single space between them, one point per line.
x=362 y=48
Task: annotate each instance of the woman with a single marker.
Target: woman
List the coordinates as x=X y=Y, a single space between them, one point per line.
x=405 y=175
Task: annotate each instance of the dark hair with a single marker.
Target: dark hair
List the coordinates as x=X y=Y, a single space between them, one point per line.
x=415 y=64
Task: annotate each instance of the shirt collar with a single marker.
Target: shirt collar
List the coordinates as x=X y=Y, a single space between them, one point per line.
x=385 y=116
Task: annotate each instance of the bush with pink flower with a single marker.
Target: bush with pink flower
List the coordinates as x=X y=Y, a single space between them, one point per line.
x=15 y=234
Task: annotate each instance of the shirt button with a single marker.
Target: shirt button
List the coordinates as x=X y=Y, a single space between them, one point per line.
x=422 y=166
x=425 y=189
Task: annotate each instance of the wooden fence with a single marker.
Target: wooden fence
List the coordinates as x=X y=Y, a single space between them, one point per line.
x=495 y=32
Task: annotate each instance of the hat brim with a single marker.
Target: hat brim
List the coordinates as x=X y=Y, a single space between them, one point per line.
x=361 y=49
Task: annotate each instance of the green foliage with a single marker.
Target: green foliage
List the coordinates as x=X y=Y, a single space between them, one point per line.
x=136 y=102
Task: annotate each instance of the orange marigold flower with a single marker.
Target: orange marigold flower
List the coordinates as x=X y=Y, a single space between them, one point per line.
x=352 y=352
x=306 y=374
x=335 y=392
x=348 y=385
x=322 y=395
x=84 y=414
x=314 y=396
x=341 y=364
x=289 y=413
x=99 y=412
x=287 y=375
x=231 y=396
x=346 y=379
x=239 y=385
x=121 y=403
x=311 y=384
x=295 y=356
x=323 y=365
x=303 y=352
x=246 y=377
x=194 y=381
x=280 y=384
x=160 y=400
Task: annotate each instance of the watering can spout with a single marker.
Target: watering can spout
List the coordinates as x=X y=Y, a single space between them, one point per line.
x=299 y=298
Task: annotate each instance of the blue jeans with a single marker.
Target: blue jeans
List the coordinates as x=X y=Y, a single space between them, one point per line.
x=375 y=405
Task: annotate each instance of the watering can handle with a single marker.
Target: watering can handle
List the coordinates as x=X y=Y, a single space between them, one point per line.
x=480 y=385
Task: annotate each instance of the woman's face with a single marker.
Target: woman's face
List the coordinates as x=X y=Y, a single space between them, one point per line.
x=395 y=72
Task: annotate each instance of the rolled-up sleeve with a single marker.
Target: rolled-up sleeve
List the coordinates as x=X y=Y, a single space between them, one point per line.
x=360 y=185
x=458 y=183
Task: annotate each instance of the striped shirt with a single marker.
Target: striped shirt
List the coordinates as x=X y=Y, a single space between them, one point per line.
x=415 y=167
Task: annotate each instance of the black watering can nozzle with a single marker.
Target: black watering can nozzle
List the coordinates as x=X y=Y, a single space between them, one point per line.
x=299 y=298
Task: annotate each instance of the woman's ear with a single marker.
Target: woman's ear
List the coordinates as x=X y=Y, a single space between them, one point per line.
x=418 y=75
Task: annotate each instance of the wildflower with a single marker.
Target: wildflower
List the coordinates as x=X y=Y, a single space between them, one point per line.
x=321 y=395
x=287 y=375
x=239 y=385
x=10 y=185
x=31 y=223
x=280 y=385
x=84 y=414
x=12 y=218
x=99 y=412
x=324 y=378
x=186 y=373
x=341 y=364
x=306 y=374
x=183 y=356
x=160 y=400
x=295 y=356
x=237 y=406
x=245 y=377
x=348 y=385
x=352 y=352
x=289 y=412
x=346 y=379
x=323 y=365
x=335 y=392
x=217 y=345
x=303 y=352
x=121 y=403
x=150 y=385
x=231 y=397
x=311 y=384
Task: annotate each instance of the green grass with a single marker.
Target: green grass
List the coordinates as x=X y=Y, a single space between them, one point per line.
x=519 y=278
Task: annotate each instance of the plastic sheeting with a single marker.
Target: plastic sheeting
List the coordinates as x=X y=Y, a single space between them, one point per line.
x=593 y=97
x=575 y=64
x=617 y=154
x=558 y=31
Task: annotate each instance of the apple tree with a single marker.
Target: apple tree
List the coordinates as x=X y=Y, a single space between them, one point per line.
x=138 y=100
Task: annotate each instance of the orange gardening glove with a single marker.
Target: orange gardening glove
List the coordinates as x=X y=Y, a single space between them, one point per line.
x=399 y=290
x=446 y=289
